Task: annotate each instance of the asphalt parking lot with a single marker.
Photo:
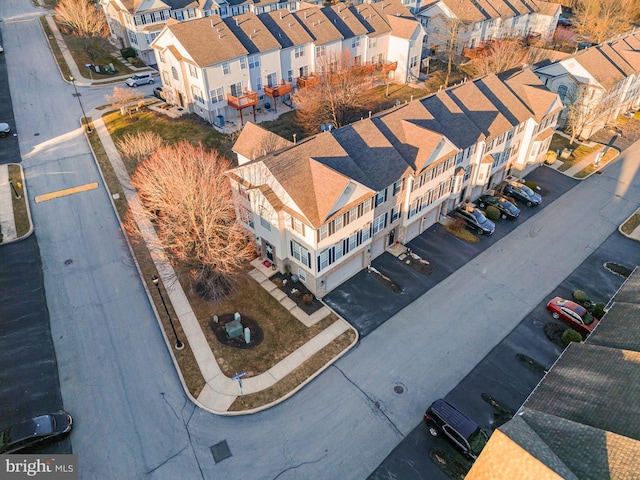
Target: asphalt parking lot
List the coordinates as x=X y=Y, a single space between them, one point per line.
x=367 y=303
x=509 y=373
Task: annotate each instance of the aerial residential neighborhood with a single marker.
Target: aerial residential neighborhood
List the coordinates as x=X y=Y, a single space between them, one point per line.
x=350 y=240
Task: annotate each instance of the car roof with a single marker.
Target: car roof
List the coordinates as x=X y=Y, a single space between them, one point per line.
x=454 y=417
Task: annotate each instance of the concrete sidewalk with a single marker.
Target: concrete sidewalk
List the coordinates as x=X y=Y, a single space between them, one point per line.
x=220 y=391
x=8 y=192
x=81 y=79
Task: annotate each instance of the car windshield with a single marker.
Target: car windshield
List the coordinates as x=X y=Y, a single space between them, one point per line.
x=509 y=206
x=478 y=440
x=527 y=190
x=479 y=216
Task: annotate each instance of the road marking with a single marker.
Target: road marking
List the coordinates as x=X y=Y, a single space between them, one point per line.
x=66 y=191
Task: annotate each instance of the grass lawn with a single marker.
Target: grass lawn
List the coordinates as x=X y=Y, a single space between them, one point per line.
x=577 y=156
x=630 y=225
x=610 y=155
x=283 y=333
x=19 y=204
x=172 y=130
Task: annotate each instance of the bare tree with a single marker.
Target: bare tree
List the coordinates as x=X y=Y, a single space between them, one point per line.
x=136 y=147
x=600 y=19
x=85 y=18
x=500 y=56
x=587 y=105
x=183 y=190
x=123 y=98
x=447 y=29
x=337 y=96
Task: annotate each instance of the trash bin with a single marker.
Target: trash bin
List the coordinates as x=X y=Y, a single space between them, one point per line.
x=220 y=121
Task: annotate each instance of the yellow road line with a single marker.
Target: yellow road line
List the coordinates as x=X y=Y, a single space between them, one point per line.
x=66 y=191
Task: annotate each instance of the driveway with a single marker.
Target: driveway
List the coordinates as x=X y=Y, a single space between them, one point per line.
x=367 y=303
x=510 y=372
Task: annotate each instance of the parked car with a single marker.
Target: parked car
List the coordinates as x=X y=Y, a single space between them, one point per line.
x=5 y=129
x=158 y=93
x=475 y=220
x=506 y=208
x=442 y=417
x=523 y=193
x=573 y=314
x=1 y=49
x=33 y=431
x=140 y=79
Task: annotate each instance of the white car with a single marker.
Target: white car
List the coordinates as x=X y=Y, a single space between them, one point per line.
x=139 y=79
x=1 y=49
x=5 y=129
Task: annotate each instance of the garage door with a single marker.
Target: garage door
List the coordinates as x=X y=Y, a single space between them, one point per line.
x=377 y=247
x=344 y=272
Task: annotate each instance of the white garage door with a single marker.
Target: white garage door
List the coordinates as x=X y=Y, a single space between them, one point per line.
x=344 y=272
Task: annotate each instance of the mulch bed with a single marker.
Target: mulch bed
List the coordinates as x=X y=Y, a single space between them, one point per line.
x=390 y=284
x=418 y=264
x=554 y=332
x=220 y=331
x=296 y=292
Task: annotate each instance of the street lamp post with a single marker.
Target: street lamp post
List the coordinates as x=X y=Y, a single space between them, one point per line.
x=14 y=188
x=77 y=95
x=156 y=282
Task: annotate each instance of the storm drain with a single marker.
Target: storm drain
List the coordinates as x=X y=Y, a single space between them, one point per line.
x=398 y=389
x=220 y=451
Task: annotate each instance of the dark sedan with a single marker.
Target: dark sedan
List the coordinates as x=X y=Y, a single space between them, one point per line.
x=33 y=431
x=524 y=194
x=507 y=209
x=475 y=220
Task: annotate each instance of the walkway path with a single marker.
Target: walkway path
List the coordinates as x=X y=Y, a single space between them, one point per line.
x=220 y=391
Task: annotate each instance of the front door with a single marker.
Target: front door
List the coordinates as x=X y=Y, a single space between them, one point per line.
x=392 y=236
x=268 y=250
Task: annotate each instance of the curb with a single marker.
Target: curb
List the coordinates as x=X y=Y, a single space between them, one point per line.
x=25 y=195
x=637 y=212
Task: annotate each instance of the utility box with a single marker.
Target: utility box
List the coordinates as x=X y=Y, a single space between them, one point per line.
x=220 y=121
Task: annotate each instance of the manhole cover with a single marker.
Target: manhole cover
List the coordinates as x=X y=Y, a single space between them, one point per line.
x=598 y=172
x=36 y=134
x=376 y=404
x=220 y=451
x=68 y=261
x=398 y=389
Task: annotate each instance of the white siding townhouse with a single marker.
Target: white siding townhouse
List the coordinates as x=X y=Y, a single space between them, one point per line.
x=136 y=23
x=217 y=67
x=484 y=20
x=325 y=207
x=602 y=81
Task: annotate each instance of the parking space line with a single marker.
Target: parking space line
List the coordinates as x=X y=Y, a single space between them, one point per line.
x=66 y=191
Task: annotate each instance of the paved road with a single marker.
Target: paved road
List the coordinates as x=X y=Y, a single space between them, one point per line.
x=116 y=376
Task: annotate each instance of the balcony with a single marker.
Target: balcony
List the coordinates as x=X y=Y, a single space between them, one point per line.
x=386 y=67
x=308 y=81
x=278 y=91
x=249 y=99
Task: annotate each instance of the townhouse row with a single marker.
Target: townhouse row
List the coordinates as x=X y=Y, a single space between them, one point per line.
x=216 y=67
x=479 y=21
x=325 y=207
x=136 y=23
x=596 y=84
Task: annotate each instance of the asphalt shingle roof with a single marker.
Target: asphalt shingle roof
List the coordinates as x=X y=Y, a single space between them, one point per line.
x=208 y=40
x=252 y=33
x=285 y=28
x=255 y=142
x=321 y=29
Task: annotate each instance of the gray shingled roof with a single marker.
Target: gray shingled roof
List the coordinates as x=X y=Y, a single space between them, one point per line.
x=374 y=160
x=252 y=33
x=318 y=25
x=620 y=328
x=208 y=40
x=285 y=28
x=595 y=386
x=629 y=292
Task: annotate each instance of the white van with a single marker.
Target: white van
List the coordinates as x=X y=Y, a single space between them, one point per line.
x=139 y=79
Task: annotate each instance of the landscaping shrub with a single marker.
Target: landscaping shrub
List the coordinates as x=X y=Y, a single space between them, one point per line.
x=307 y=298
x=598 y=310
x=579 y=296
x=570 y=335
x=128 y=52
x=551 y=157
x=492 y=213
x=532 y=185
x=278 y=282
